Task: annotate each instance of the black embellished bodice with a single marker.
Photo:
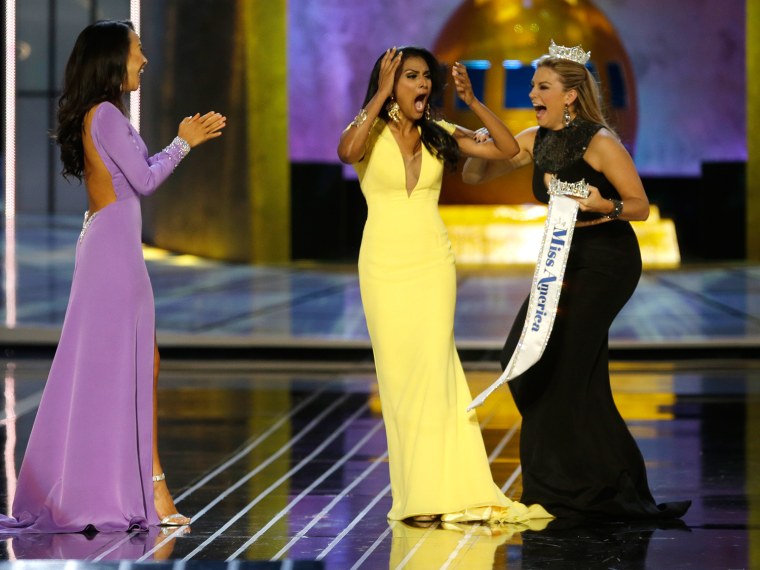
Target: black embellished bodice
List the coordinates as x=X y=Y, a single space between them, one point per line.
x=561 y=153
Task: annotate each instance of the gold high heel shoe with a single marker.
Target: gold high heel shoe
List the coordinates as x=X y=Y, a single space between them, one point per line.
x=175 y=519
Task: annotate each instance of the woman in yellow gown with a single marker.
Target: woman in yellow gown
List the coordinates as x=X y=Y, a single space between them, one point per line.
x=438 y=463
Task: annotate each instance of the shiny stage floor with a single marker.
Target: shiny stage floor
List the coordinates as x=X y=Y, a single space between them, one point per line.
x=272 y=438
x=291 y=465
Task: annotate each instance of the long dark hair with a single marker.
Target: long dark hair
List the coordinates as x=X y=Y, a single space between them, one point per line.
x=435 y=138
x=94 y=73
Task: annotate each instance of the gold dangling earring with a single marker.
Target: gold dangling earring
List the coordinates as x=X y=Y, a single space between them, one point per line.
x=392 y=108
x=566 y=116
x=427 y=112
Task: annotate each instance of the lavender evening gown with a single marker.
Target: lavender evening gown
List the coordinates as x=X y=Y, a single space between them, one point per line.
x=89 y=458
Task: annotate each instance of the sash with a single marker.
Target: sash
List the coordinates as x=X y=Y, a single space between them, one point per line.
x=547 y=282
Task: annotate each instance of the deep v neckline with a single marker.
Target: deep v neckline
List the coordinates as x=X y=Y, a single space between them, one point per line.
x=404 y=162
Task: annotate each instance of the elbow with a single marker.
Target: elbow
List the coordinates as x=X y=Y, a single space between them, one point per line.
x=147 y=188
x=473 y=171
x=506 y=152
x=646 y=210
x=348 y=155
x=344 y=157
x=147 y=191
x=471 y=177
x=636 y=215
x=511 y=152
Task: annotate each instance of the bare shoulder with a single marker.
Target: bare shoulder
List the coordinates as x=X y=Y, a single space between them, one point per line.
x=604 y=142
x=605 y=146
x=528 y=134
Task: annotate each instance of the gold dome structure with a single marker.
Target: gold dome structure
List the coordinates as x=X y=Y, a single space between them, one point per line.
x=499 y=40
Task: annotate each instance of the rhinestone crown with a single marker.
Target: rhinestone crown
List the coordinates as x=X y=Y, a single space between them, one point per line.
x=575 y=54
x=576 y=189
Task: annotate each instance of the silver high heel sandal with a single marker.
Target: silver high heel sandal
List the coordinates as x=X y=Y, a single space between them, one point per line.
x=172 y=520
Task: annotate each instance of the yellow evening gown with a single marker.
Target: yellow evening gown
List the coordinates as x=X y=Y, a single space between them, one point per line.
x=437 y=459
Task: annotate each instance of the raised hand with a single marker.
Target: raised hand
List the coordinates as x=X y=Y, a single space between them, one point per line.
x=388 y=66
x=462 y=83
x=199 y=129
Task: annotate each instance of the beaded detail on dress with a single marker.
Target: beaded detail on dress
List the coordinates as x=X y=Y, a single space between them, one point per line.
x=555 y=150
x=86 y=224
x=177 y=150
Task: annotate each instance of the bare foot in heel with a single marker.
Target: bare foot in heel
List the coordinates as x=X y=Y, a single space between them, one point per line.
x=162 y=499
x=425 y=518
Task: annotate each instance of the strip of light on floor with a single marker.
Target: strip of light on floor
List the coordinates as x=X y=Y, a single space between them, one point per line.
x=21 y=408
x=363 y=475
x=237 y=456
x=413 y=550
x=357 y=519
x=378 y=541
x=305 y=493
x=251 y=446
x=9 y=446
x=464 y=541
x=248 y=476
x=470 y=536
x=512 y=478
x=504 y=441
x=315 y=520
x=300 y=465
x=385 y=491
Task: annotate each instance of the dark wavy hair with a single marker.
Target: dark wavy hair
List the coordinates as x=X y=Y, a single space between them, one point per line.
x=435 y=138
x=94 y=73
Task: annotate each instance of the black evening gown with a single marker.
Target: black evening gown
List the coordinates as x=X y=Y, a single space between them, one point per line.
x=578 y=457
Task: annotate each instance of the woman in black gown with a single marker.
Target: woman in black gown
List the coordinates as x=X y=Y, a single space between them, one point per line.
x=578 y=457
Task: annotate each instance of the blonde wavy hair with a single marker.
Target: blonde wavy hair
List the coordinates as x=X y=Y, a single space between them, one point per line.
x=588 y=104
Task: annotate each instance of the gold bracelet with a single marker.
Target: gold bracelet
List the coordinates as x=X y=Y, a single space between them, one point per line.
x=359 y=119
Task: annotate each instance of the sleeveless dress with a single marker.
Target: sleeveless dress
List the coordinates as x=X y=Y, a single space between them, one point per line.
x=88 y=463
x=578 y=457
x=437 y=459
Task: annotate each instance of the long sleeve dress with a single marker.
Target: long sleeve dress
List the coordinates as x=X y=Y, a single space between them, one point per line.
x=88 y=462
x=438 y=463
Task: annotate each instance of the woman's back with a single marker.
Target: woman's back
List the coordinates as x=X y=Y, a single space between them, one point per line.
x=97 y=178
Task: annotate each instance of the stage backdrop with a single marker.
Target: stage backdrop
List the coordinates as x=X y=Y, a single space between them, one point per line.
x=687 y=56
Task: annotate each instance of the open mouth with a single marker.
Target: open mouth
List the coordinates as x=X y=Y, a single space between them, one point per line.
x=420 y=101
x=540 y=110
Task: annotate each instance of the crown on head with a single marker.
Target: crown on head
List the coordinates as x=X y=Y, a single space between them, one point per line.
x=575 y=54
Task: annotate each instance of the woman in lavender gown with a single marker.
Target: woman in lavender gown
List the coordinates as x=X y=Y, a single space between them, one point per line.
x=92 y=460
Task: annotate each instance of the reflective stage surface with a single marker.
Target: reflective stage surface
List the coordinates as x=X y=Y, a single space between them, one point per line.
x=279 y=454
x=276 y=465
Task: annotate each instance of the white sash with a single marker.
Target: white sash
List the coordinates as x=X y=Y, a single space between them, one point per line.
x=547 y=283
